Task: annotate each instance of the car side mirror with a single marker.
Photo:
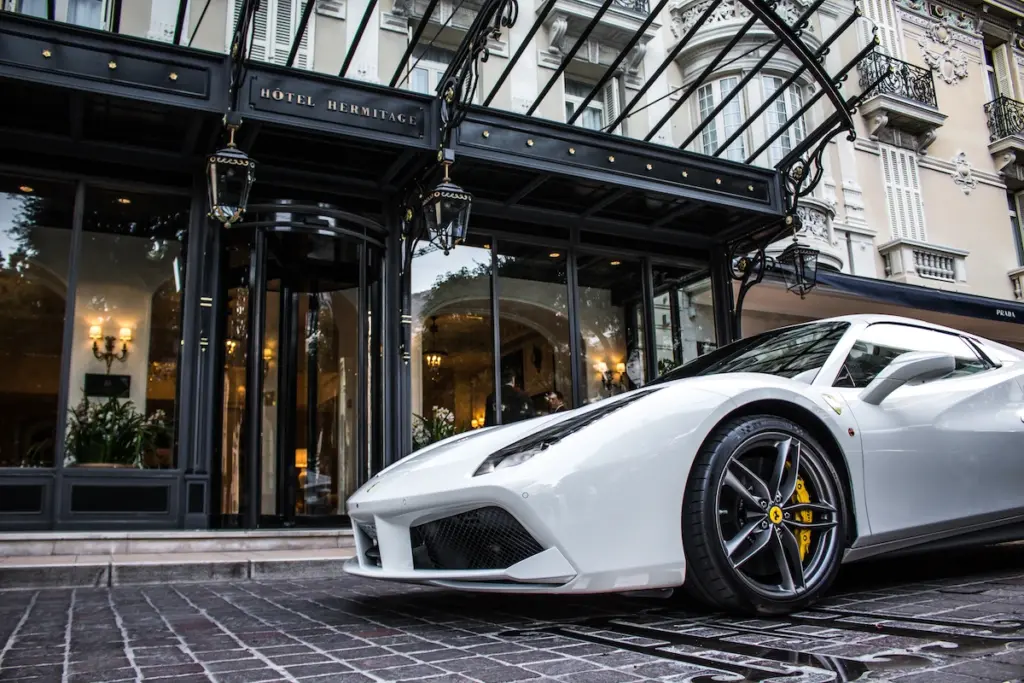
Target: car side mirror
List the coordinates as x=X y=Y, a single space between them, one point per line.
x=919 y=366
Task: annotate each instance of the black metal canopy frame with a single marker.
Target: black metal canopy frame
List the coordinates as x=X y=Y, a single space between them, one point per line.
x=799 y=170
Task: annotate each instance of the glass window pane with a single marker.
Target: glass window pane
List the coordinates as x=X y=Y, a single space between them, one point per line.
x=87 y=13
x=420 y=80
x=610 y=314
x=593 y=118
x=35 y=8
x=127 y=331
x=236 y=345
x=35 y=242
x=452 y=350
x=684 y=321
x=880 y=344
x=533 y=314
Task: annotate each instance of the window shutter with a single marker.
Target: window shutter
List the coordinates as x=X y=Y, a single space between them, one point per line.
x=882 y=14
x=610 y=98
x=284 y=20
x=258 y=30
x=1002 y=62
x=903 y=194
x=303 y=58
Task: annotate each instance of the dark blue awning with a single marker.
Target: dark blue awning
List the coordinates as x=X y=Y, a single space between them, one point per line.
x=926 y=298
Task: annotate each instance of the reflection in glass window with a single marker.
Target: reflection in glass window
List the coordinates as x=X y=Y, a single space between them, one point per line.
x=610 y=310
x=35 y=241
x=684 y=321
x=534 y=330
x=127 y=331
x=796 y=352
x=452 y=350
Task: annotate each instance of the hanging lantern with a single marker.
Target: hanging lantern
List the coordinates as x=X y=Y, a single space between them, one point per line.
x=799 y=267
x=230 y=174
x=446 y=211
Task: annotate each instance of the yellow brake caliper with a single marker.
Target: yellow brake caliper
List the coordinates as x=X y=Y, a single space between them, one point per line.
x=803 y=536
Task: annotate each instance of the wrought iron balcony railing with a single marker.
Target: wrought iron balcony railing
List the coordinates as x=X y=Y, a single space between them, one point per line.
x=1005 y=118
x=904 y=80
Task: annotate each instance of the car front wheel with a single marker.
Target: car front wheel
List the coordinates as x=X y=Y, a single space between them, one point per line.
x=764 y=518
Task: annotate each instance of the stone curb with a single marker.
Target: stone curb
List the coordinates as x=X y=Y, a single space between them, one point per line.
x=112 y=573
x=143 y=542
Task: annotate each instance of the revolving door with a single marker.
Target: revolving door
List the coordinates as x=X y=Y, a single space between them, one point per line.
x=301 y=423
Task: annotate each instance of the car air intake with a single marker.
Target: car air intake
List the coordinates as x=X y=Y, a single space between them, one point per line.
x=485 y=538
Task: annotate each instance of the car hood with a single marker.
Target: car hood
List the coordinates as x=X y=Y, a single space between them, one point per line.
x=465 y=452
x=451 y=461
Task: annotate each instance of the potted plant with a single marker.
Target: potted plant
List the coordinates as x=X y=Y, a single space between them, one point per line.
x=427 y=430
x=112 y=434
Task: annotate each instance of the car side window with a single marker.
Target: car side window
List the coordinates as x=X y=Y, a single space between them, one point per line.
x=880 y=344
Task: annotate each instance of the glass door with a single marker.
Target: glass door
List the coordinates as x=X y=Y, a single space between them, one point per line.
x=307 y=449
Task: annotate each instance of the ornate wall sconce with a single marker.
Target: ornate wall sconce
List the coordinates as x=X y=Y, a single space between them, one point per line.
x=268 y=358
x=108 y=355
x=609 y=378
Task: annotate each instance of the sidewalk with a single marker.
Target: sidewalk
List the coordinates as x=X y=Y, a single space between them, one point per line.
x=74 y=559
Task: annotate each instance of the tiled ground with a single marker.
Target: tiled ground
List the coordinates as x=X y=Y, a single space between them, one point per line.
x=943 y=619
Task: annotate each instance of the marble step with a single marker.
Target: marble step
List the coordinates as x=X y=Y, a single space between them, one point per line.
x=134 y=569
x=92 y=543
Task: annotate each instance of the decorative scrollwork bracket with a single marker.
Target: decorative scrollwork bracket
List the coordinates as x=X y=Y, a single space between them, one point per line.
x=460 y=79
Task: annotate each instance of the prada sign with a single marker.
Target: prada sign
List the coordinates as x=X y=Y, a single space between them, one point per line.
x=345 y=106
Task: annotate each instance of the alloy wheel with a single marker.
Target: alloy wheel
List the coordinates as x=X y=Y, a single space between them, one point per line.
x=778 y=515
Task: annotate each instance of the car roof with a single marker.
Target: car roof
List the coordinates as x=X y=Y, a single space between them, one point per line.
x=872 y=318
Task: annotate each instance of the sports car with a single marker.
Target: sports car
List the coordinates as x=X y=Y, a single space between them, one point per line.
x=746 y=476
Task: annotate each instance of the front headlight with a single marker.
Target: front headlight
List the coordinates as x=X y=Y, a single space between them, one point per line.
x=523 y=450
x=505 y=458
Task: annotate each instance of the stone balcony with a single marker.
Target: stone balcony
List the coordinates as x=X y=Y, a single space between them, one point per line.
x=606 y=42
x=925 y=264
x=728 y=17
x=1006 y=139
x=816 y=231
x=1017 y=281
x=904 y=100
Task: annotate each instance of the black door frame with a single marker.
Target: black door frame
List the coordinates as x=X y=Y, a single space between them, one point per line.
x=299 y=219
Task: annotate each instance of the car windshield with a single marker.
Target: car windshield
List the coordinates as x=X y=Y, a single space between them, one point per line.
x=785 y=352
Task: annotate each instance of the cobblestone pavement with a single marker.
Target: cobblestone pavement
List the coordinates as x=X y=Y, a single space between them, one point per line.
x=940 y=619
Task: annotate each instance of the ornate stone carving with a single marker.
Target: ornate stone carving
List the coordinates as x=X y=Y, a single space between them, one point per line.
x=942 y=55
x=401 y=8
x=558 y=30
x=954 y=18
x=636 y=58
x=962 y=173
x=879 y=121
x=685 y=16
x=813 y=222
x=1005 y=162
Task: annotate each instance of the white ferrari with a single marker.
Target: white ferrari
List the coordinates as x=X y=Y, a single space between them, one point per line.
x=746 y=476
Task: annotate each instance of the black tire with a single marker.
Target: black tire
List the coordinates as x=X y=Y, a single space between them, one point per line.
x=711 y=576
